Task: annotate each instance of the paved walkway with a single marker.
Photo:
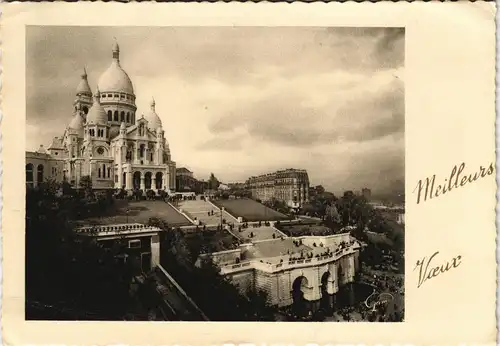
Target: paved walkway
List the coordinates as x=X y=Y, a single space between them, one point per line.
x=175 y=300
x=200 y=209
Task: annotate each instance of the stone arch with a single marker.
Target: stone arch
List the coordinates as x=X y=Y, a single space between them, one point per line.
x=128 y=117
x=159 y=180
x=136 y=180
x=122 y=116
x=39 y=174
x=340 y=274
x=110 y=116
x=299 y=287
x=115 y=117
x=29 y=174
x=326 y=301
x=147 y=180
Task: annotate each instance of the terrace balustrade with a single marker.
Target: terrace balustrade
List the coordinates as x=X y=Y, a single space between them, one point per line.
x=271 y=268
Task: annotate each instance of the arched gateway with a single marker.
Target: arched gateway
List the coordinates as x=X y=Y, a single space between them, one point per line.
x=299 y=306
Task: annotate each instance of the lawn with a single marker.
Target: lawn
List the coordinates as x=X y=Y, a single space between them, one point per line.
x=250 y=210
x=138 y=212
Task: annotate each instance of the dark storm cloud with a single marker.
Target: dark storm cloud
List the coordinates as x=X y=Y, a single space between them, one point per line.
x=284 y=120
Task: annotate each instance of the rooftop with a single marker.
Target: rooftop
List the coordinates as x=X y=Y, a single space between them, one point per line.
x=276 y=248
x=259 y=233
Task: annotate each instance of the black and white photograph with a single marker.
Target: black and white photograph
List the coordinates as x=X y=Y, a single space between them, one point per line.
x=233 y=173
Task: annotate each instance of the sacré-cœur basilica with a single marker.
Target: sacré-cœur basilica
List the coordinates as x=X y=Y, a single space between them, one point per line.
x=107 y=140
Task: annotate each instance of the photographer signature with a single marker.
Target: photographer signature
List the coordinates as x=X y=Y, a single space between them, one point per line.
x=374 y=301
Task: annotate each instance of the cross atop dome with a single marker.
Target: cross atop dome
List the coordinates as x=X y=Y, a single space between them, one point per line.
x=153 y=103
x=116 y=50
x=84 y=74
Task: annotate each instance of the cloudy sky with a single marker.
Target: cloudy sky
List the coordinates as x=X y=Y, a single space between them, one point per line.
x=240 y=101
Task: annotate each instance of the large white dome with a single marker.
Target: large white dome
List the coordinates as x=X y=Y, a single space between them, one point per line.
x=115 y=79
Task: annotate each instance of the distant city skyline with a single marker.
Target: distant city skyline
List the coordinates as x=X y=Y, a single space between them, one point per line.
x=243 y=101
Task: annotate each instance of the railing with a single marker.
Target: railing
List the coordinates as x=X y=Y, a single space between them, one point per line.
x=117 y=228
x=270 y=268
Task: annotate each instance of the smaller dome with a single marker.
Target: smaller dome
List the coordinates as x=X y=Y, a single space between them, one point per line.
x=77 y=124
x=83 y=86
x=97 y=114
x=42 y=150
x=154 y=121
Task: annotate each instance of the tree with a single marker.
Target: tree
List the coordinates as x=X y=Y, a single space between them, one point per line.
x=213 y=182
x=319 y=189
x=86 y=185
x=69 y=275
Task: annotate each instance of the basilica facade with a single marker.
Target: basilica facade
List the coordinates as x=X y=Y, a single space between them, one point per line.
x=107 y=140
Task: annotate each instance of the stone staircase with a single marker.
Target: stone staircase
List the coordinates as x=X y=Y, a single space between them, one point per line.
x=202 y=211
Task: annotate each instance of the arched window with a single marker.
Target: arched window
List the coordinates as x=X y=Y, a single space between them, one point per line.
x=109 y=172
x=39 y=174
x=116 y=116
x=29 y=174
x=99 y=173
x=159 y=180
x=142 y=149
x=128 y=117
x=122 y=116
x=147 y=180
x=110 y=116
x=85 y=110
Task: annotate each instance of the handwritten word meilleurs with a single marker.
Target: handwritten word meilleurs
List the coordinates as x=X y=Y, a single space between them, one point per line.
x=428 y=188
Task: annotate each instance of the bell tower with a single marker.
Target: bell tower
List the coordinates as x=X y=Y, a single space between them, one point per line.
x=83 y=99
